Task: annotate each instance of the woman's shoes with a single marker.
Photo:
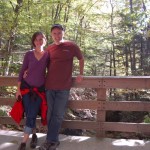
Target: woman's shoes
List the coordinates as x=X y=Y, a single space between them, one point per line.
x=22 y=146
x=34 y=141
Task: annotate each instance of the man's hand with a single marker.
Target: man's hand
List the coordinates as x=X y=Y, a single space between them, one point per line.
x=25 y=74
x=79 y=78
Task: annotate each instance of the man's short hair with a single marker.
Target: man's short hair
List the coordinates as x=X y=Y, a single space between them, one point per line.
x=59 y=26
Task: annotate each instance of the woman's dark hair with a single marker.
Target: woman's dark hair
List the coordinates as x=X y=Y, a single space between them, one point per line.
x=34 y=37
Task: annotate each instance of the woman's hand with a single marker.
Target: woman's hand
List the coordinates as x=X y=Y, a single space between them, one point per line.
x=18 y=94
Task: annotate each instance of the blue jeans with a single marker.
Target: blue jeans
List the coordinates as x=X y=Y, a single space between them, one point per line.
x=57 y=102
x=31 y=108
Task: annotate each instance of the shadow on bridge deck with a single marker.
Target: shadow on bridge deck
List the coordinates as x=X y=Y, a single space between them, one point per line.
x=10 y=140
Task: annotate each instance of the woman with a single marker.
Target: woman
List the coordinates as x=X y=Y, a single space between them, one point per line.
x=31 y=88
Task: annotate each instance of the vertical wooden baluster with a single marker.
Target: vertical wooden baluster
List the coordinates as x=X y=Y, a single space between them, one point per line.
x=101 y=113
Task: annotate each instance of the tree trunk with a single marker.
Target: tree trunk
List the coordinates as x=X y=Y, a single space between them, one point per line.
x=12 y=34
x=113 y=35
x=126 y=61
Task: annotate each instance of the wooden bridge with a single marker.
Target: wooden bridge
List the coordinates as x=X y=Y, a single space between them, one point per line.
x=101 y=104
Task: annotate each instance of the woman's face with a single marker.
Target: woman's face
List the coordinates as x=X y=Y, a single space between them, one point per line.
x=39 y=41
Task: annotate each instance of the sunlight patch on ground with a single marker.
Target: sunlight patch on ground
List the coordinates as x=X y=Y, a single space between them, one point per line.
x=124 y=142
x=11 y=133
x=79 y=139
x=6 y=145
x=74 y=138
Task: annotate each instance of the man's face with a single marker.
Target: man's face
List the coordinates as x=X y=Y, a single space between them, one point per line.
x=57 y=35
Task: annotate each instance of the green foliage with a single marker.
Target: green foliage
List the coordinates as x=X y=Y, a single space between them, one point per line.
x=15 y=68
x=106 y=32
x=3 y=112
x=147 y=118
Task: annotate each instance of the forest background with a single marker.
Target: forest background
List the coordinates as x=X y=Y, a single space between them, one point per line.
x=114 y=36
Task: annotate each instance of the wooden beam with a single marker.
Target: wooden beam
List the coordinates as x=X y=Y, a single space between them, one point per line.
x=7 y=101
x=72 y=124
x=83 y=104
x=8 y=81
x=127 y=106
x=75 y=124
x=127 y=127
x=101 y=113
x=127 y=83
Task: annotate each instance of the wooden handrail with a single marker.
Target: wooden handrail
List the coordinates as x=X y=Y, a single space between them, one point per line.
x=101 y=104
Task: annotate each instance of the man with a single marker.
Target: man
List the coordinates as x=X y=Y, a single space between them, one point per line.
x=59 y=82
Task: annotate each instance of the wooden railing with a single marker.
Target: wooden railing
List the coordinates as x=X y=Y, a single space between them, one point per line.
x=102 y=105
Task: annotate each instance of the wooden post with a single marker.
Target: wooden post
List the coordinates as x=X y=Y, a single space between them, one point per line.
x=101 y=113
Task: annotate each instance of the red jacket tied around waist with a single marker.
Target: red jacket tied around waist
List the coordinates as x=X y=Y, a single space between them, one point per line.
x=18 y=109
